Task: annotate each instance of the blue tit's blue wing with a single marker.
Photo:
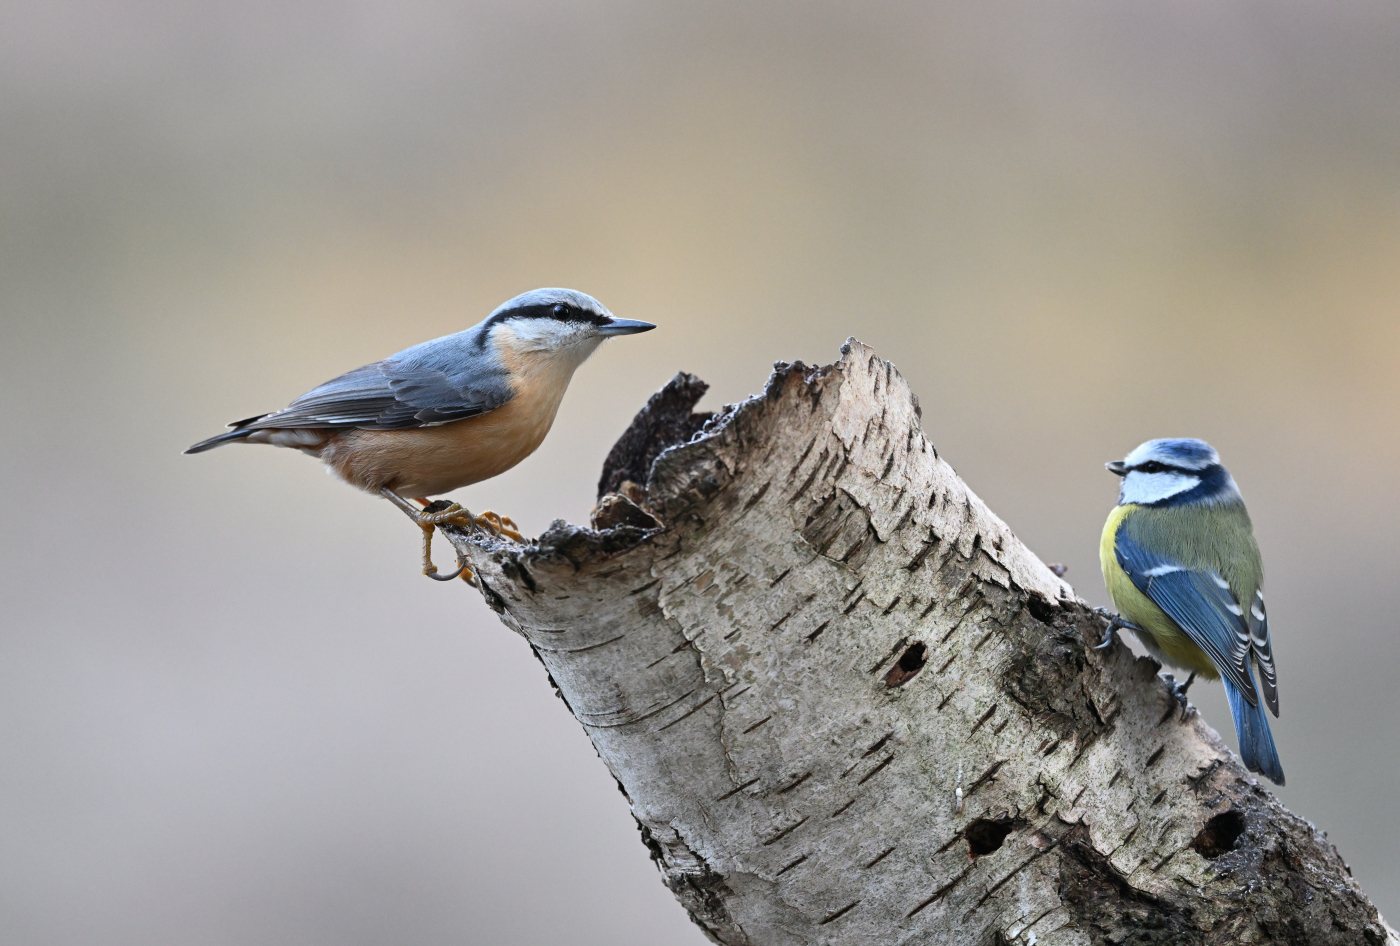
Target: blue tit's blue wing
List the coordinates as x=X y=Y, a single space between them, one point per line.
x=1201 y=604
x=1258 y=621
x=447 y=379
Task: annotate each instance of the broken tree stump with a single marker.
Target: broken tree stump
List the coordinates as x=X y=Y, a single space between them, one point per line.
x=847 y=705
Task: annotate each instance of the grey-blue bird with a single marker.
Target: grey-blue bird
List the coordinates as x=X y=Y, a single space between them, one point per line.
x=447 y=413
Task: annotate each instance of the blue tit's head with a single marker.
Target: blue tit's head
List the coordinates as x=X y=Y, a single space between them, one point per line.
x=1174 y=471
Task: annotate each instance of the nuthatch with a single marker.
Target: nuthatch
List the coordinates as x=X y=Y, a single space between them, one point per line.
x=1183 y=569
x=447 y=413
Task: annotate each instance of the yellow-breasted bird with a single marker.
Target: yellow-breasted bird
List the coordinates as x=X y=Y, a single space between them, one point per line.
x=1184 y=571
x=447 y=413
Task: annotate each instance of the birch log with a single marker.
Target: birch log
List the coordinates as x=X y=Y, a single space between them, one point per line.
x=847 y=705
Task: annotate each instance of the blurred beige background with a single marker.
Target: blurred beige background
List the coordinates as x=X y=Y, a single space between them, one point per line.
x=232 y=712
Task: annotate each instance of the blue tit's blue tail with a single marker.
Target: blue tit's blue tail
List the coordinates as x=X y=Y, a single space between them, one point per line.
x=1256 y=742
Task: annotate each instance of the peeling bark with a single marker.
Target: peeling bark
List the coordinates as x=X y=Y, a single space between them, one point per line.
x=847 y=705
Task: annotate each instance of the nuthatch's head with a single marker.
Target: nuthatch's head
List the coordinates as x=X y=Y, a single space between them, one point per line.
x=558 y=325
x=1175 y=470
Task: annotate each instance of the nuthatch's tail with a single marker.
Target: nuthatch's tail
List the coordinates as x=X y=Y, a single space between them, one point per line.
x=239 y=430
x=1256 y=741
x=230 y=437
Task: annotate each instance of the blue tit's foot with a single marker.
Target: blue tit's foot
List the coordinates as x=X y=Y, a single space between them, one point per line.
x=1115 y=621
x=1178 y=690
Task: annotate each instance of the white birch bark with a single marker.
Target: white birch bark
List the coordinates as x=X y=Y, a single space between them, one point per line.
x=847 y=705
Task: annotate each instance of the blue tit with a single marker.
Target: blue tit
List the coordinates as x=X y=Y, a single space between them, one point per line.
x=1184 y=571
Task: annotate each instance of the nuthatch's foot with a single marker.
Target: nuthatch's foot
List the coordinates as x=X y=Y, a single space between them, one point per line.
x=1178 y=690
x=451 y=515
x=1115 y=621
x=501 y=525
x=463 y=571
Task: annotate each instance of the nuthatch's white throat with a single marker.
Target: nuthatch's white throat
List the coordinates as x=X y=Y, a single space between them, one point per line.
x=447 y=413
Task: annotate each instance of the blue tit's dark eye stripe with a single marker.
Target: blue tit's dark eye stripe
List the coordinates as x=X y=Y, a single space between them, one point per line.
x=1152 y=466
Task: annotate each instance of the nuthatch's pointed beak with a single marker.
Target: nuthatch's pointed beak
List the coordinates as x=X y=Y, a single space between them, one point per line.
x=1116 y=468
x=625 y=327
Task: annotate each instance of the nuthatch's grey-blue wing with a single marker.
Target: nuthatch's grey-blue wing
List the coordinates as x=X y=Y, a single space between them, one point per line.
x=437 y=382
x=449 y=412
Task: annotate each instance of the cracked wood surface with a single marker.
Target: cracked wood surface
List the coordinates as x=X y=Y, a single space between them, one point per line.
x=847 y=705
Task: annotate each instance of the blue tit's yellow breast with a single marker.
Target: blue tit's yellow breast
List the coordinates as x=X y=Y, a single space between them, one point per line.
x=1162 y=635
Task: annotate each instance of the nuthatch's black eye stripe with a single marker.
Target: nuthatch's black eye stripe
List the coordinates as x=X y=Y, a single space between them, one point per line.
x=558 y=311
x=569 y=313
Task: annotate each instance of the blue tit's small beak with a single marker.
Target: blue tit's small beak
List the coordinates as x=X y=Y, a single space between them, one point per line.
x=625 y=327
x=1116 y=468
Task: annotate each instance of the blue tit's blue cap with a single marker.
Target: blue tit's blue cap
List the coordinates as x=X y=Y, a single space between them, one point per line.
x=1184 y=453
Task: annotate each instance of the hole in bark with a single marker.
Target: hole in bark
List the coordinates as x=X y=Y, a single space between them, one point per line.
x=908 y=666
x=1041 y=609
x=984 y=837
x=1219 y=834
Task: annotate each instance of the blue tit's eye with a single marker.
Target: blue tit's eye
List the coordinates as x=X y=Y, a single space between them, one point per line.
x=1151 y=467
x=561 y=311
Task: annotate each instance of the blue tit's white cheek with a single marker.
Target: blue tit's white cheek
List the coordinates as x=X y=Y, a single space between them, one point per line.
x=1148 y=488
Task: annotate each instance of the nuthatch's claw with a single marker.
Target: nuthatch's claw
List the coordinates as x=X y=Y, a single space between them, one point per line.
x=463 y=566
x=428 y=522
x=451 y=515
x=501 y=525
x=429 y=568
x=455 y=515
